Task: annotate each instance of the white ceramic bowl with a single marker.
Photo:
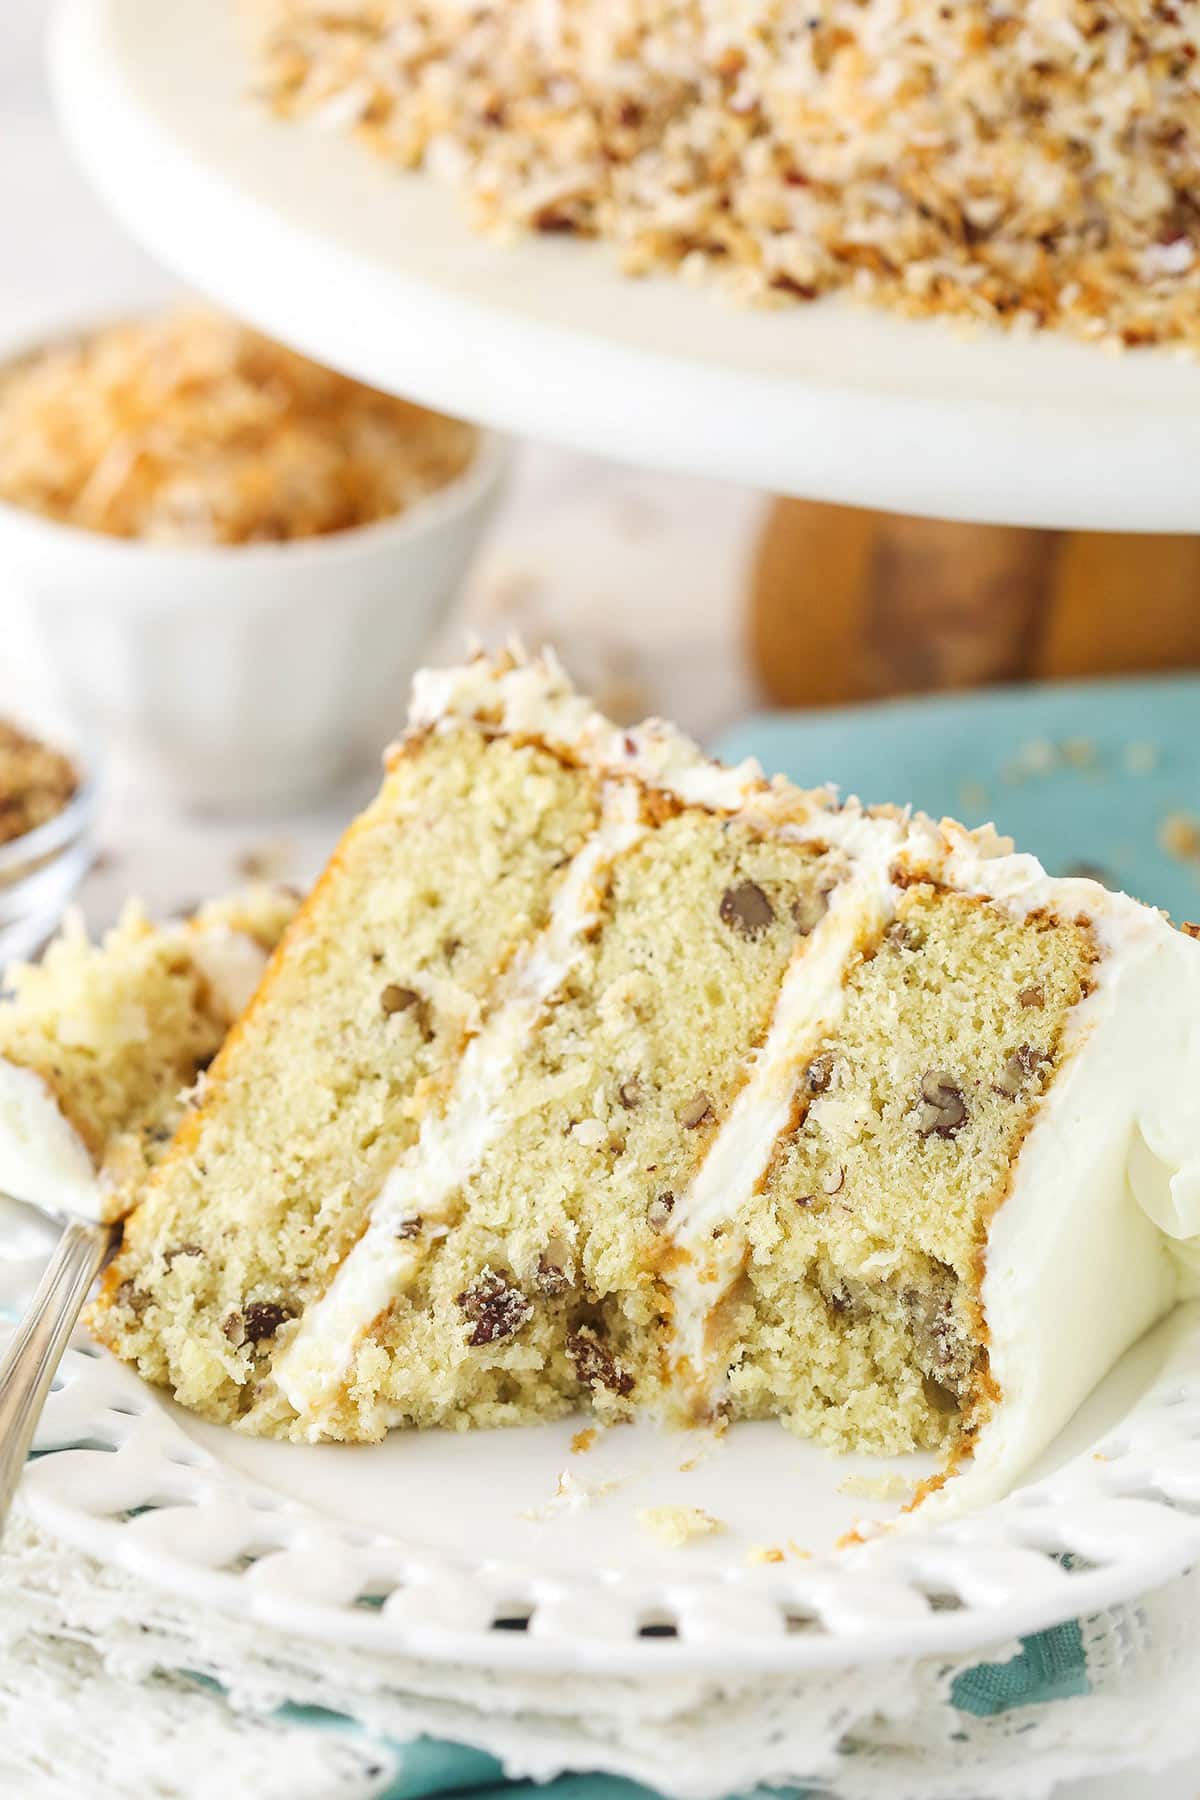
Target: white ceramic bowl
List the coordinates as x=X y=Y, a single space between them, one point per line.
x=253 y=675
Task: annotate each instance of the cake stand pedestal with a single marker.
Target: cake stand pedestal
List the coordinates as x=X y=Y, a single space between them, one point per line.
x=851 y=605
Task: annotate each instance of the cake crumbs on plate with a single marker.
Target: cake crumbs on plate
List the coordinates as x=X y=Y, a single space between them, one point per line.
x=889 y=1486
x=570 y=1495
x=676 y=1526
x=584 y=1440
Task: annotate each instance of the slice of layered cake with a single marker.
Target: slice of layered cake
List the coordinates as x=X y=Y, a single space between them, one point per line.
x=593 y=1073
x=100 y=1043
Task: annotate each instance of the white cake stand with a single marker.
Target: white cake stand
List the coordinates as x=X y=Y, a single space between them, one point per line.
x=310 y=237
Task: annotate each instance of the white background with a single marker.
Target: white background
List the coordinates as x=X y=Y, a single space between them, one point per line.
x=641 y=577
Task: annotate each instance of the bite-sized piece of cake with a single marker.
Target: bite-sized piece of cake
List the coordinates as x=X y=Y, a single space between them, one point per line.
x=99 y=1043
x=594 y=1073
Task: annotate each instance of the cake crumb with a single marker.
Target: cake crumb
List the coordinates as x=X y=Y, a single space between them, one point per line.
x=876 y=1487
x=676 y=1526
x=763 y=1553
x=583 y=1440
x=570 y=1495
x=1179 y=835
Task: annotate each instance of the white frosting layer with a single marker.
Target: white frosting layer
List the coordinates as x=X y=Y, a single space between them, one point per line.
x=428 y=1178
x=43 y=1160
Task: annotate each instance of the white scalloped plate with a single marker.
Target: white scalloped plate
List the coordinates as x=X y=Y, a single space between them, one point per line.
x=321 y=244
x=453 y=1546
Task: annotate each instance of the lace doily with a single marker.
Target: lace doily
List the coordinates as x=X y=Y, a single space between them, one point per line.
x=98 y=1670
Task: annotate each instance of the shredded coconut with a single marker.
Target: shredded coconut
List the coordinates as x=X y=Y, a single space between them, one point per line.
x=189 y=428
x=1030 y=164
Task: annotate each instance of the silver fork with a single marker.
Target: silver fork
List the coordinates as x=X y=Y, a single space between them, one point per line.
x=35 y=1348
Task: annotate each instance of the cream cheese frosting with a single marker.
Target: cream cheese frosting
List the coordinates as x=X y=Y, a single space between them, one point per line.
x=43 y=1159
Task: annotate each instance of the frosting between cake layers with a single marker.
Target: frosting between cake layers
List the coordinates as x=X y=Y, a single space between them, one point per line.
x=450 y=1147
x=809 y=1003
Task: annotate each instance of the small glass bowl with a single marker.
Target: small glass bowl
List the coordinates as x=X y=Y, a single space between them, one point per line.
x=41 y=870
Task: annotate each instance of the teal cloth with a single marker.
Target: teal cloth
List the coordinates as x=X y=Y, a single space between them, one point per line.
x=1051 y=1666
x=1084 y=774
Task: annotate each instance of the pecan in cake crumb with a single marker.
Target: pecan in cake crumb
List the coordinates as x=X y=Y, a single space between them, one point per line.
x=411 y=1227
x=903 y=936
x=1020 y=1065
x=808 y=910
x=37 y=782
x=1031 y=996
x=820 y=1073
x=132 y=1296
x=262 y=1319
x=941 y=1398
x=658 y=1213
x=595 y=1363
x=554 y=1275
x=746 y=909
x=495 y=1309
x=170 y=1256
x=697 y=1111
x=942 y=1108
x=630 y=1093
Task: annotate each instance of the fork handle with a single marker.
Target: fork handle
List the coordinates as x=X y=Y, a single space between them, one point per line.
x=35 y=1349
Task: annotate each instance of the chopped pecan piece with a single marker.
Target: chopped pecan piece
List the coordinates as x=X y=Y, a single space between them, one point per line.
x=495 y=1309
x=262 y=1319
x=697 y=1111
x=746 y=909
x=658 y=1213
x=820 y=1073
x=595 y=1363
x=808 y=910
x=942 y=1109
x=1021 y=1064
